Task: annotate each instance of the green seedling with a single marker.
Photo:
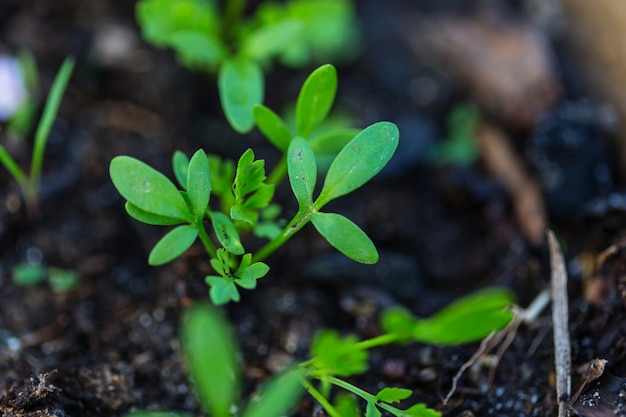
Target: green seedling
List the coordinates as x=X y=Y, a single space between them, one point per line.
x=29 y=183
x=459 y=148
x=244 y=193
x=211 y=356
x=220 y=39
x=60 y=280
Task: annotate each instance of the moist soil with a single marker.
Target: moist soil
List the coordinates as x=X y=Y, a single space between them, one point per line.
x=110 y=345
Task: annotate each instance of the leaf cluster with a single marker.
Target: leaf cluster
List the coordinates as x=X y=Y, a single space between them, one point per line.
x=220 y=39
x=244 y=192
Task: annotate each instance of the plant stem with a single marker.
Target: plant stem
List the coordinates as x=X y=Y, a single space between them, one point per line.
x=384 y=339
x=299 y=220
x=43 y=129
x=13 y=168
x=232 y=16
x=206 y=241
x=279 y=171
x=321 y=399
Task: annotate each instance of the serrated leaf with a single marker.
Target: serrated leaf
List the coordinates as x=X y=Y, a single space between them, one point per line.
x=255 y=271
x=180 y=165
x=173 y=244
x=272 y=126
x=361 y=159
x=400 y=322
x=420 y=410
x=278 y=396
x=315 y=99
x=333 y=354
x=149 y=218
x=345 y=236
x=147 y=188
x=241 y=86
x=302 y=170
x=223 y=290
x=199 y=184
x=393 y=395
x=210 y=350
x=468 y=319
x=226 y=233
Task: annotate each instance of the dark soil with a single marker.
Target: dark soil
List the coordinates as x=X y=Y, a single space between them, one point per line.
x=111 y=345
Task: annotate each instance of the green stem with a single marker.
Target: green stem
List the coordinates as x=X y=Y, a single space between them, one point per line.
x=351 y=388
x=232 y=16
x=279 y=172
x=299 y=220
x=45 y=124
x=384 y=339
x=206 y=241
x=321 y=399
x=16 y=172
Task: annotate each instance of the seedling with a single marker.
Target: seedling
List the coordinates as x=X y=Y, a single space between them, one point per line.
x=223 y=41
x=60 y=280
x=245 y=201
x=459 y=148
x=211 y=355
x=29 y=183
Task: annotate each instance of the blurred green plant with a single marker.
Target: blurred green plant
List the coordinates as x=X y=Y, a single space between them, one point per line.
x=29 y=183
x=222 y=40
x=211 y=354
x=244 y=192
x=459 y=148
x=60 y=280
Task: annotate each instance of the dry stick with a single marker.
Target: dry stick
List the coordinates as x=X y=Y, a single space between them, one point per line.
x=560 y=315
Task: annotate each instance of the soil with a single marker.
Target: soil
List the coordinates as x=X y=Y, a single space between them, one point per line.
x=110 y=345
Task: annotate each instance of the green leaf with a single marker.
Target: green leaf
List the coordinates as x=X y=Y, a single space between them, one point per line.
x=279 y=396
x=345 y=236
x=28 y=274
x=420 y=410
x=198 y=49
x=270 y=39
x=223 y=290
x=148 y=189
x=400 y=322
x=156 y=414
x=251 y=192
x=199 y=184
x=332 y=142
x=180 y=165
x=173 y=244
x=469 y=319
x=393 y=395
x=249 y=275
x=63 y=280
x=226 y=233
x=346 y=405
x=302 y=171
x=241 y=86
x=315 y=99
x=210 y=350
x=272 y=126
x=150 y=218
x=334 y=355
x=361 y=159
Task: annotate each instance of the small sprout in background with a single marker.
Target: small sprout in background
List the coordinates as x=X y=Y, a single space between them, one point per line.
x=60 y=280
x=218 y=38
x=459 y=148
x=29 y=183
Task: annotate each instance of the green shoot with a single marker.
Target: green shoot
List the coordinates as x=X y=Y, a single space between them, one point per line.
x=30 y=183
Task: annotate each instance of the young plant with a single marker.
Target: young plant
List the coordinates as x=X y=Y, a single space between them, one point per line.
x=245 y=200
x=211 y=355
x=29 y=183
x=222 y=40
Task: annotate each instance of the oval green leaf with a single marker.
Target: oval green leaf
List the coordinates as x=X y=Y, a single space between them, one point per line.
x=173 y=244
x=272 y=126
x=361 y=159
x=302 y=170
x=198 y=49
x=315 y=99
x=149 y=218
x=199 y=184
x=345 y=236
x=270 y=39
x=226 y=233
x=180 y=165
x=210 y=351
x=241 y=86
x=147 y=188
